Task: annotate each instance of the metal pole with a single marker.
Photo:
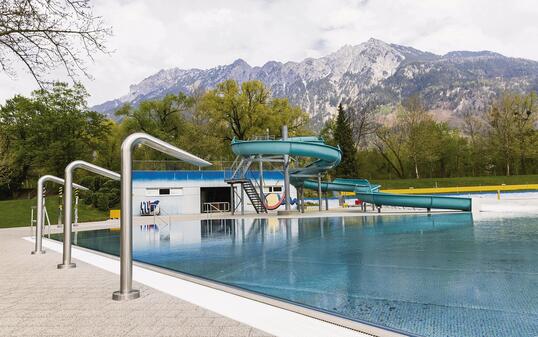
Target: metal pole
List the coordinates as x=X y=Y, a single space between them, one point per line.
x=40 y=209
x=39 y=222
x=286 y=169
x=326 y=200
x=301 y=199
x=68 y=204
x=126 y=291
x=242 y=200
x=76 y=208
x=232 y=198
x=261 y=180
x=319 y=192
x=60 y=208
x=66 y=260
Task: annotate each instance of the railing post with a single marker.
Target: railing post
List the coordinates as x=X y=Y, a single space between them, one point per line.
x=66 y=260
x=319 y=193
x=126 y=291
x=262 y=197
x=39 y=223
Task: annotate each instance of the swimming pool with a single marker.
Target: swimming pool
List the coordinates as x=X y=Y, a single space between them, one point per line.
x=431 y=275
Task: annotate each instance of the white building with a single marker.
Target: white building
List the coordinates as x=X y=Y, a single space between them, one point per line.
x=192 y=192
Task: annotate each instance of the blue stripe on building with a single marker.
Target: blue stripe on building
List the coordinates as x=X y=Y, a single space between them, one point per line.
x=199 y=175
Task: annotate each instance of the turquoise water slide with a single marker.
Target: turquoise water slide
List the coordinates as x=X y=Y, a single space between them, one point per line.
x=328 y=157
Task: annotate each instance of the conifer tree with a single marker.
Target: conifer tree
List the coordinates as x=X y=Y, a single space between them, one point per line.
x=343 y=136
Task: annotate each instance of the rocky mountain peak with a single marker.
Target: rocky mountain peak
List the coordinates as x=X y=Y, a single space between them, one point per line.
x=240 y=63
x=373 y=70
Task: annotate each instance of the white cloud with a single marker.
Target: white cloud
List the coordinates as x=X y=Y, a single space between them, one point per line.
x=152 y=35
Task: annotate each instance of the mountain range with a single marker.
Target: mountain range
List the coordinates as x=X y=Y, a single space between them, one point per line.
x=449 y=85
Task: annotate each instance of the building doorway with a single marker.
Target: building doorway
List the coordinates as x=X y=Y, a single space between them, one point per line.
x=215 y=199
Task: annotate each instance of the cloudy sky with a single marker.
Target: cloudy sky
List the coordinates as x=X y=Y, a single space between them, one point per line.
x=150 y=35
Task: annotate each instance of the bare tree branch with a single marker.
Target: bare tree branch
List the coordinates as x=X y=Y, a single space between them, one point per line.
x=44 y=35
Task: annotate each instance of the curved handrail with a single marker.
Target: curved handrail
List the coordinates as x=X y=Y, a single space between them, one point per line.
x=39 y=223
x=68 y=203
x=126 y=291
x=326 y=156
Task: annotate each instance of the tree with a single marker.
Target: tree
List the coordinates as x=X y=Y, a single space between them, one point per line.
x=16 y=116
x=343 y=136
x=162 y=118
x=474 y=127
x=389 y=143
x=46 y=34
x=416 y=123
x=45 y=132
x=248 y=110
x=363 y=121
x=327 y=132
x=512 y=121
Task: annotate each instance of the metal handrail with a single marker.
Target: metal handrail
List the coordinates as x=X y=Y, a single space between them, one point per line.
x=126 y=291
x=68 y=204
x=263 y=137
x=40 y=207
x=208 y=207
x=155 y=217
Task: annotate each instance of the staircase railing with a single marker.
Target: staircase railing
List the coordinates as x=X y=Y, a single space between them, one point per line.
x=241 y=174
x=161 y=219
x=216 y=207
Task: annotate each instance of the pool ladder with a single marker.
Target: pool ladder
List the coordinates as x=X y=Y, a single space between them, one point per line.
x=33 y=219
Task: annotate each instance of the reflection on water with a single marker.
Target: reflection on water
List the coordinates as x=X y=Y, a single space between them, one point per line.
x=438 y=275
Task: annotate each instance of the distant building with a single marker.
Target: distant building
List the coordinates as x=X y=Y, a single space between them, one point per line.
x=192 y=192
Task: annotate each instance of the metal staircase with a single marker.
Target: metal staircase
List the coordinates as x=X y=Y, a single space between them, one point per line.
x=240 y=170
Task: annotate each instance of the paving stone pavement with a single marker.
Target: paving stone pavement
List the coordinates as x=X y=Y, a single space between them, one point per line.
x=36 y=299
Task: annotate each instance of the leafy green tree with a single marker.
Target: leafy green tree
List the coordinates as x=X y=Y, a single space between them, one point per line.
x=16 y=116
x=64 y=129
x=417 y=126
x=327 y=132
x=389 y=142
x=43 y=133
x=343 y=136
x=474 y=127
x=248 y=110
x=163 y=118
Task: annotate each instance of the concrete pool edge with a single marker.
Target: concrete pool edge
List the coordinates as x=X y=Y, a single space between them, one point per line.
x=256 y=310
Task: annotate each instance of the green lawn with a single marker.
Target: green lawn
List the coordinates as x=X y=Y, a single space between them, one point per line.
x=454 y=182
x=16 y=213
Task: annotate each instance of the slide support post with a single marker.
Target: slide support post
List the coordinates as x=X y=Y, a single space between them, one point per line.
x=261 y=178
x=319 y=192
x=286 y=169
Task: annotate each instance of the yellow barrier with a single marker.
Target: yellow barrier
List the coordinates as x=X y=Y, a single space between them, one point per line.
x=464 y=189
x=456 y=190
x=114 y=214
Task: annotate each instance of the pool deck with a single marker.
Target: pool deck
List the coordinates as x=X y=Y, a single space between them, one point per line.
x=36 y=299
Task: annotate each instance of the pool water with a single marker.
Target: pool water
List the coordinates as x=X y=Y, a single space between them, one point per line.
x=429 y=275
